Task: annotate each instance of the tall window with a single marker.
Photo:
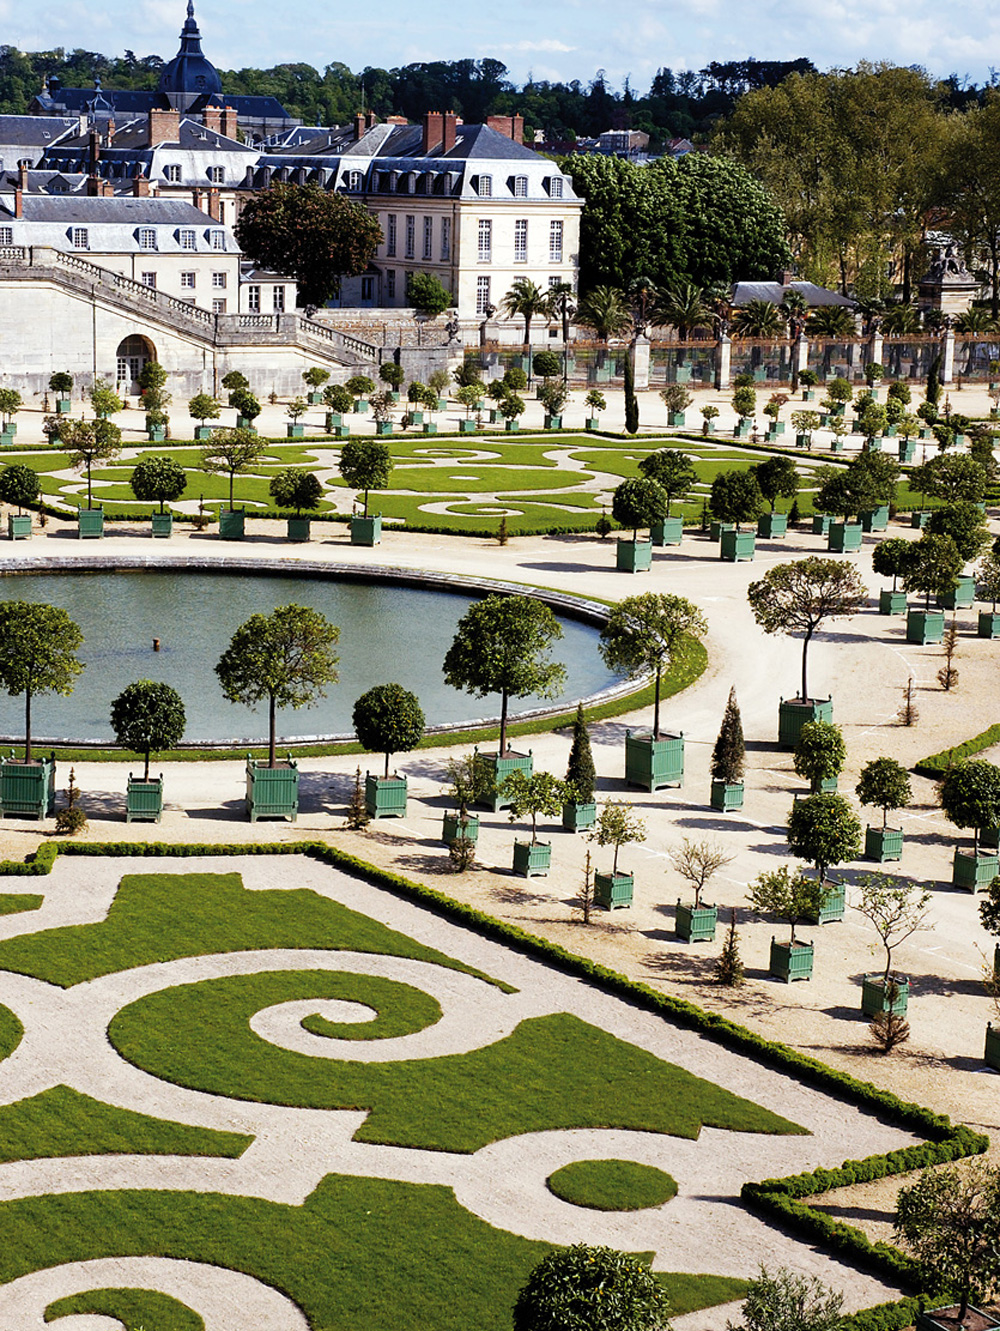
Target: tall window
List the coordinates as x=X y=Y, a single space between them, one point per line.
x=390 y=235
x=218 y=279
x=521 y=240
x=482 y=294
x=555 y=187
x=411 y=236
x=172 y=174
x=218 y=240
x=187 y=239
x=188 y=280
x=428 y=237
x=445 y=238
x=216 y=175
x=147 y=238
x=278 y=300
x=81 y=238
x=485 y=187
x=390 y=284
x=520 y=187
x=6 y=235
x=354 y=179
x=253 y=299
x=485 y=240
x=555 y=242
x=368 y=288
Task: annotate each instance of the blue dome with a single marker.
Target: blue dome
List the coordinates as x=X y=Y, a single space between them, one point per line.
x=190 y=73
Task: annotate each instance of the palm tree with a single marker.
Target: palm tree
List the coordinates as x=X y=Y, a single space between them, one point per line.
x=758 y=318
x=976 y=320
x=794 y=307
x=559 y=305
x=605 y=311
x=525 y=299
x=683 y=307
x=900 y=318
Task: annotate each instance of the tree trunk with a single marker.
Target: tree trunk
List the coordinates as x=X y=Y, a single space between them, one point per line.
x=805 y=651
x=272 y=725
x=503 y=722
x=27 y=726
x=656 y=706
x=145 y=775
x=90 y=502
x=232 y=477
x=386 y=772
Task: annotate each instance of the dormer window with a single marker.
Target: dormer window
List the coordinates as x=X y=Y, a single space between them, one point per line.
x=520 y=187
x=354 y=179
x=555 y=187
x=147 y=238
x=485 y=190
x=216 y=175
x=186 y=239
x=80 y=237
x=172 y=174
x=218 y=240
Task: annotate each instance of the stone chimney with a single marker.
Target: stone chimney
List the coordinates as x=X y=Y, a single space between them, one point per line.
x=511 y=127
x=359 y=126
x=140 y=187
x=213 y=205
x=18 y=201
x=396 y=120
x=450 y=124
x=230 y=122
x=22 y=175
x=197 y=199
x=371 y=120
x=164 y=126
x=212 y=118
x=433 y=131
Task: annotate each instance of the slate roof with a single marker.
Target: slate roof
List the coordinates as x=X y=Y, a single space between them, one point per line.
x=87 y=210
x=133 y=101
x=744 y=292
x=34 y=131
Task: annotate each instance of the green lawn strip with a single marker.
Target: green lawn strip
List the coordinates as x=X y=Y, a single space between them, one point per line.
x=401 y=1009
x=551 y=1072
x=160 y=917
x=11 y=1032
x=936 y=764
x=136 y=1309
x=12 y=903
x=62 y=1122
x=360 y=1255
x=434 y=481
x=612 y=1185
x=688 y=1293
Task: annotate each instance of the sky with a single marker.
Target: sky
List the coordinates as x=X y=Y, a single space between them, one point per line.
x=544 y=39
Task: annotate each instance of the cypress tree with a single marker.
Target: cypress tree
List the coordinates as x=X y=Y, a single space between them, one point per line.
x=358 y=817
x=631 y=401
x=729 y=967
x=729 y=753
x=581 y=773
x=934 y=381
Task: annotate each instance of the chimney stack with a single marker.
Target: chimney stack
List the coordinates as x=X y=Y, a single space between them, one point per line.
x=164 y=125
x=450 y=123
x=93 y=149
x=22 y=175
x=213 y=205
x=212 y=119
x=359 y=126
x=229 y=122
x=511 y=127
x=18 y=202
x=371 y=120
x=140 y=187
x=433 y=131
x=196 y=198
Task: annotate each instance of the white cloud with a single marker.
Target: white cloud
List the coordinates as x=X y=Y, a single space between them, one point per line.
x=547 y=44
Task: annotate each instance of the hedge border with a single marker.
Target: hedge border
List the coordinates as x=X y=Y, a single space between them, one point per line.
x=777 y=1200
x=937 y=764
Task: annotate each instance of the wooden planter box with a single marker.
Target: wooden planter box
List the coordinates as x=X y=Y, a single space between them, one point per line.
x=295 y=431
x=314 y=398
x=675 y=418
x=803 y=441
x=144 y=799
x=591 y=423
x=974 y=871
x=499 y=768
x=634 y=556
x=341 y=432
x=669 y=531
x=875 y=1000
x=452 y=827
x=837 y=446
x=708 y=427
x=727 y=796
x=366 y=531
x=430 y=427
x=793 y=714
x=991 y=1054
x=696 y=924
x=907 y=448
x=532 y=858
x=775 y=429
x=716 y=529
x=553 y=422
x=89 y=523
x=512 y=426
x=962 y=596
x=232 y=524
x=385 y=796
x=652 y=763
x=156 y=434
x=613 y=891
x=272 y=792
x=892 y=603
x=821 y=524
x=808 y=395
x=989 y=624
x=414 y=418
x=27 y=790
x=883 y=844
x=826 y=785
x=924 y=626
x=383 y=429
x=832 y=905
x=579 y=817
x=741 y=430
x=466 y=426
x=360 y=407
x=844 y=537
x=63 y=406
x=19 y=528
x=737 y=546
x=202 y=433
x=772 y=526
x=875 y=519
x=333 y=419
x=946 y=1319
x=245 y=423
x=791 y=961
x=298 y=529
x=920 y=517
x=163 y=525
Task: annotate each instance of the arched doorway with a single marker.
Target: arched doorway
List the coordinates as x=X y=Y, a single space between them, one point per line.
x=133 y=353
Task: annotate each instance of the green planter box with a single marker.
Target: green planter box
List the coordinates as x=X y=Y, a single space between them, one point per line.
x=19 y=527
x=232 y=524
x=675 y=418
x=498 y=769
x=875 y=519
x=837 y=446
x=991 y=1055
x=883 y=844
x=737 y=546
x=741 y=430
x=393 y=395
x=314 y=399
x=272 y=792
x=592 y=423
x=932 y=1320
x=962 y=597
x=844 y=537
x=989 y=624
x=441 y=404
x=989 y=839
x=156 y=434
x=803 y=441
x=245 y=423
x=974 y=871
x=385 y=796
x=27 y=790
x=716 y=529
x=613 y=891
x=832 y=905
x=144 y=800
x=295 y=431
x=808 y=395
x=579 y=817
x=682 y=374
x=726 y=795
x=415 y=418
x=512 y=426
x=532 y=859
x=333 y=419
x=494 y=415
x=366 y=531
x=90 y=523
x=791 y=961
x=924 y=626
x=360 y=407
x=793 y=714
x=63 y=406
x=775 y=429
x=892 y=603
x=341 y=432
x=708 y=427
x=668 y=531
x=634 y=556
x=920 y=517
x=552 y=422
x=772 y=526
x=430 y=427
x=821 y=524
x=452 y=828
x=907 y=448
x=298 y=529
x=383 y=428
x=163 y=525
x=467 y=426
x=696 y=924
x=652 y=763
x=202 y=433
x=874 y=998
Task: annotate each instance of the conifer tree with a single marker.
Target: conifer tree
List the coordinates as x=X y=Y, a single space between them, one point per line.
x=581 y=773
x=729 y=754
x=358 y=817
x=729 y=967
x=631 y=401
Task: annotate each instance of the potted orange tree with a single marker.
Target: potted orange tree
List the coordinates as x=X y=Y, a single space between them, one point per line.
x=617 y=825
x=387 y=719
x=147 y=717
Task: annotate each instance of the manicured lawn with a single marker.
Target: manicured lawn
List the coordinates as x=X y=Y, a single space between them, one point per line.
x=12 y=903
x=612 y=1185
x=136 y=1309
x=402 y=1010
x=11 y=1032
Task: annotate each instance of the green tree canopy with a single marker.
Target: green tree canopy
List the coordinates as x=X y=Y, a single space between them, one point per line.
x=296 y=488
x=388 y=719
x=38 y=646
x=729 y=753
x=618 y=825
x=824 y=830
x=672 y=470
x=784 y=1301
x=642 y=635
x=146 y=717
x=230 y=453
x=158 y=480
x=884 y=784
x=591 y=1289
x=638 y=502
x=541 y=792
x=933 y=566
x=889 y=557
x=965 y=523
x=18 y=485
x=203 y=407
x=736 y=497
x=365 y=464
x=970 y=795
x=88 y=442
x=820 y=753
x=790 y=896
x=581 y=774
x=777 y=478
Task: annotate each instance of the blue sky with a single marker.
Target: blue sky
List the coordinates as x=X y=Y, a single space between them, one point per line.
x=564 y=40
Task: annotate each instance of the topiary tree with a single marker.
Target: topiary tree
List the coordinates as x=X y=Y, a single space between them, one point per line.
x=365 y=465
x=296 y=408
x=546 y=364
x=792 y=897
x=638 y=502
x=672 y=470
x=820 y=753
x=895 y=908
x=804 y=423
x=285 y=657
x=158 y=481
x=581 y=774
x=675 y=398
x=467 y=396
x=798 y=598
x=596 y=401
x=360 y=386
x=824 y=830
x=104 y=400
x=392 y=374
x=514 y=379
x=965 y=523
x=511 y=406
x=61 y=383
x=526 y=795
x=235 y=380
x=777 y=478
x=38 y=646
x=88 y=442
x=736 y=497
x=388 y=719
x=890 y=557
x=10 y=404
x=729 y=753
x=19 y=485
x=246 y=404
x=148 y=717
x=501 y=645
x=744 y=402
x=618 y=825
x=987 y=579
x=231 y=452
x=296 y=488
x=933 y=566
x=337 y=398
x=203 y=407
x=970 y=796
x=884 y=784
x=315 y=377
x=596 y=1289
x=643 y=633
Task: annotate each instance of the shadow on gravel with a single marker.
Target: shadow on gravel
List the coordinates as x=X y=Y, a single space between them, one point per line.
x=855 y=1213
x=681 y=967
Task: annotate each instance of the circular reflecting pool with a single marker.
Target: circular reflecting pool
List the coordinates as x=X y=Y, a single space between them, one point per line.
x=387 y=634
